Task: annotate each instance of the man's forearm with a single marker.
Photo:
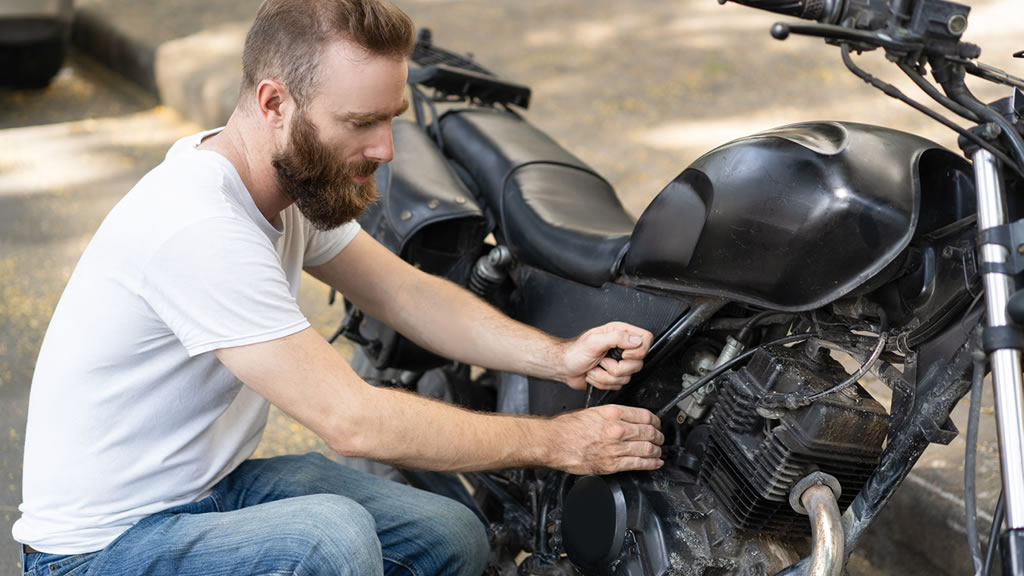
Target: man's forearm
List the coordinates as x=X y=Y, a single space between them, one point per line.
x=411 y=431
x=408 y=430
x=303 y=375
x=455 y=323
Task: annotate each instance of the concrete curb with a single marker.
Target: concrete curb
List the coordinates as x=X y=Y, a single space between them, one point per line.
x=197 y=74
x=95 y=34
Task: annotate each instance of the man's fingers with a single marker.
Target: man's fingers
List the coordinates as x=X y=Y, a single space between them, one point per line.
x=637 y=463
x=621 y=367
x=637 y=449
x=604 y=339
x=638 y=416
x=635 y=342
x=599 y=378
x=644 y=433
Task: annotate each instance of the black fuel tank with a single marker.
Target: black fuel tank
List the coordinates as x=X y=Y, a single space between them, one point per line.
x=792 y=218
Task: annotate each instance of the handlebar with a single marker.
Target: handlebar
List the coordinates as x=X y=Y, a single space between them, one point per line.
x=827 y=11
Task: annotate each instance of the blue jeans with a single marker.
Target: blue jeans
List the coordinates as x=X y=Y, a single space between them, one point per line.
x=302 y=515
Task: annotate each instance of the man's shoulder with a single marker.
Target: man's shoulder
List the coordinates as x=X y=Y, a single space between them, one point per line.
x=187 y=194
x=184 y=186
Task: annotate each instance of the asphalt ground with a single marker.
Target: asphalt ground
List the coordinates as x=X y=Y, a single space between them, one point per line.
x=638 y=90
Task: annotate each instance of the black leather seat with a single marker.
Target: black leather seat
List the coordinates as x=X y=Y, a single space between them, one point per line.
x=556 y=213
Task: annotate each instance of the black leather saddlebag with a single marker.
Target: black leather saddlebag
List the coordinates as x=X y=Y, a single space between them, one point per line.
x=428 y=217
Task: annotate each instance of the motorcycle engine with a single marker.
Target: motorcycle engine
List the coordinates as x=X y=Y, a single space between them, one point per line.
x=731 y=514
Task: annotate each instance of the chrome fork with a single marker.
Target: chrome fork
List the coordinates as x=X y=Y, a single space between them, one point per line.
x=1006 y=363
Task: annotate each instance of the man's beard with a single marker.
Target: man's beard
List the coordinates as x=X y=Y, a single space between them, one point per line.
x=321 y=186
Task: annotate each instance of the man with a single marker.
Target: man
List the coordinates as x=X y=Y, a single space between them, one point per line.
x=179 y=325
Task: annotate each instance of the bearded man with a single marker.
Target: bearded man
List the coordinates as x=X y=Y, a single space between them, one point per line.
x=179 y=327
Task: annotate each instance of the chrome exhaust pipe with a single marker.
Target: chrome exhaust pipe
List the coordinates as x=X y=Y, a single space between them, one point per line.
x=817 y=496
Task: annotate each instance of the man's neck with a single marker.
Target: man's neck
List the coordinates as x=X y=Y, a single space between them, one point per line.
x=251 y=153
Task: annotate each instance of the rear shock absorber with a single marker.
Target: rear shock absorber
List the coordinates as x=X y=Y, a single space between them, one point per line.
x=490 y=271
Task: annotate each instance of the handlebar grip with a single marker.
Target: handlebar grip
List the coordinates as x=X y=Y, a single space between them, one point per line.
x=819 y=10
x=615 y=354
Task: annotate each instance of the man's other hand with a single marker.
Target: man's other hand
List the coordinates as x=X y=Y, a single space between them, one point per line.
x=608 y=439
x=586 y=361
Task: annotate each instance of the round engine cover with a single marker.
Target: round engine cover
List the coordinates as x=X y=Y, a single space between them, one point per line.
x=594 y=521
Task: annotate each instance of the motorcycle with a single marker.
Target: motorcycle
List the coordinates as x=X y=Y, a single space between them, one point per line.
x=758 y=268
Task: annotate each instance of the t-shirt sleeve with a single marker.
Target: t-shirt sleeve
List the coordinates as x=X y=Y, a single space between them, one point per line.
x=218 y=283
x=323 y=245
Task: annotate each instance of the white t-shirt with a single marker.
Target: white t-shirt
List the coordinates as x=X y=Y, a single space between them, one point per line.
x=130 y=411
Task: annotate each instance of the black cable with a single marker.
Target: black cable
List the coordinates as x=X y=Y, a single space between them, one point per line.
x=721 y=369
x=744 y=336
x=792 y=401
x=883 y=322
x=930 y=89
x=893 y=92
x=550 y=486
x=993 y=533
x=971 y=462
x=958 y=91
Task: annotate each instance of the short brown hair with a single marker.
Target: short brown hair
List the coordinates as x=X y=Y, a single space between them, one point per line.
x=288 y=37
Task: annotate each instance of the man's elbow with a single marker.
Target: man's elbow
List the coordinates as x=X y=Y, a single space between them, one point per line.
x=346 y=443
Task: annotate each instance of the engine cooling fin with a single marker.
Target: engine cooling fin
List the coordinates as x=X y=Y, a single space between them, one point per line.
x=752 y=461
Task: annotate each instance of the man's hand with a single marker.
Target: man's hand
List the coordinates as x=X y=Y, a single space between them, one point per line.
x=608 y=439
x=585 y=361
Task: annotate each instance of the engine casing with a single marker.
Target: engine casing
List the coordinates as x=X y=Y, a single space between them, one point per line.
x=752 y=461
x=733 y=515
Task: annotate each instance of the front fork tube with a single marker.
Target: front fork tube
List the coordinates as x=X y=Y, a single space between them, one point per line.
x=1007 y=381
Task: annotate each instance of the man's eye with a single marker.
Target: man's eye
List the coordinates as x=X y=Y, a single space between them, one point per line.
x=361 y=125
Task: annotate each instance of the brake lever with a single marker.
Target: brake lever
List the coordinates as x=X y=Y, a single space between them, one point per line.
x=990 y=73
x=864 y=39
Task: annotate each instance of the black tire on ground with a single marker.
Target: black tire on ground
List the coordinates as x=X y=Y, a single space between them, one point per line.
x=31 y=65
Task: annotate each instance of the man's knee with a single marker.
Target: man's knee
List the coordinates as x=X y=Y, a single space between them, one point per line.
x=462 y=538
x=336 y=534
x=472 y=538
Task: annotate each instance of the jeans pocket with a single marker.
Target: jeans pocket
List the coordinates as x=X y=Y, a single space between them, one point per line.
x=67 y=566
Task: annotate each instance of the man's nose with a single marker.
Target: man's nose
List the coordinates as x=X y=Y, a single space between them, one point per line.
x=382 y=148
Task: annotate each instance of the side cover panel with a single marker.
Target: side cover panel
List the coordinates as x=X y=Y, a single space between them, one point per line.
x=565 y=309
x=790 y=219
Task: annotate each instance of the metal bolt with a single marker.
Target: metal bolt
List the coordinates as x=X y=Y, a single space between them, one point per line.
x=956 y=24
x=406 y=215
x=433 y=204
x=460 y=200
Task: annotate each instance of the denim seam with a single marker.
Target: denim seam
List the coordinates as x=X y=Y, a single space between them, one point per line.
x=216 y=501
x=403 y=562
x=76 y=569
x=54 y=565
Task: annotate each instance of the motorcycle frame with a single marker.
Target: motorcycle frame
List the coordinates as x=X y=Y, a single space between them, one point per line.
x=942 y=384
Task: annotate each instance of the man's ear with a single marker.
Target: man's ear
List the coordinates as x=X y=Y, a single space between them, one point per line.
x=272 y=102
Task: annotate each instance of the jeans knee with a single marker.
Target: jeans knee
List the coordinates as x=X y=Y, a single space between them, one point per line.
x=338 y=535
x=465 y=540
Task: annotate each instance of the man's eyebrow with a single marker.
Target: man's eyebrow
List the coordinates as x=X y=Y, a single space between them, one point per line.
x=374 y=117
